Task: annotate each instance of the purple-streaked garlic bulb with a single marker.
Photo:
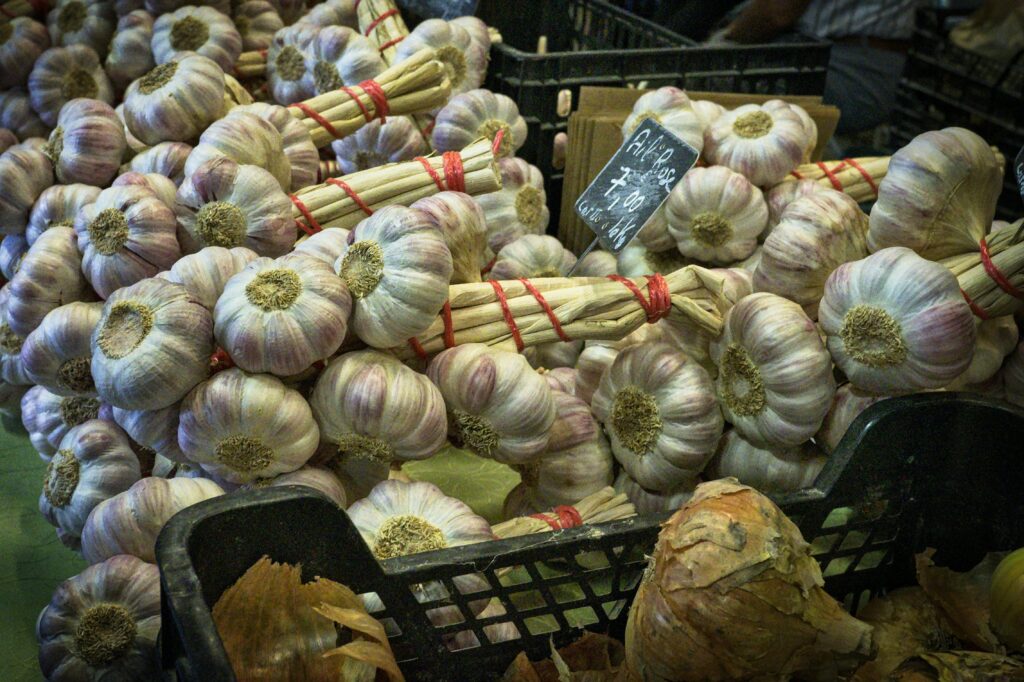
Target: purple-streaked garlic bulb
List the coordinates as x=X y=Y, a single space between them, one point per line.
x=175 y=101
x=48 y=417
x=129 y=522
x=846 y=406
x=397 y=268
x=464 y=60
x=22 y=40
x=715 y=215
x=782 y=195
x=321 y=480
x=518 y=208
x=654 y=234
x=810 y=127
x=707 y=111
x=135 y=145
x=341 y=56
x=329 y=13
x=531 y=256
x=256 y=21
x=477 y=30
x=82 y=22
x=299 y=149
x=241 y=427
x=13 y=248
x=12 y=366
x=475 y=114
x=461 y=220
x=62 y=74
x=651 y=502
x=88 y=143
x=996 y=338
x=597 y=263
x=244 y=138
x=50 y=276
x=897 y=323
x=763 y=144
x=154 y=429
x=636 y=260
x=816 y=234
x=151 y=346
x=167 y=159
x=597 y=357
x=672 y=108
x=775 y=381
x=226 y=204
x=498 y=406
x=205 y=272
x=57 y=354
x=554 y=355
x=376 y=144
x=560 y=379
x=287 y=77
x=160 y=185
x=103 y=622
x=131 y=54
x=770 y=471
x=201 y=30
x=126 y=235
x=24 y=175
x=328 y=244
x=158 y=7
x=18 y=116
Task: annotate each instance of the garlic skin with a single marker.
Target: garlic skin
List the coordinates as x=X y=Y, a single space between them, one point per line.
x=256 y=21
x=341 y=56
x=782 y=195
x=160 y=185
x=597 y=263
x=321 y=480
x=241 y=427
x=12 y=248
x=462 y=222
x=775 y=381
x=532 y=255
x=594 y=359
x=555 y=355
x=816 y=234
x=21 y=42
x=88 y=143
x=48 y=417
x=62 y=74
x=518 y=208
x=302 y=154
x=329 y=13
x=103 y=622
x=376 y=144
x=287 y=76
x=636 y=260
x=464 y=60
x=201 y=30
x=18 y=116
x=654 y=234
x=154 y=429
x=131 y=54
x=498 y=407
x=715 y=215
x=151 y=346
x=475 y=114
x=204 y=273
x=846 y=406
x=229 y=205
x=762 y=143
x=81 y=22
x=175 y=101
x=770 y=471
x=897 y=323
x=477 y=30
x=50 y=276
x=246 y=139
x=560 y=379
x=58 y=205
x=167 y=159
x=135 y=145
x=10 y=400
x=672 y=108
x=57 y=354
x=24 y=174
x=810 y=127
x=327 y=244
x=397 y=268
x=996 y=338
x=648 y=502
x=707 y=111
x=12 y=367
x=130 y=522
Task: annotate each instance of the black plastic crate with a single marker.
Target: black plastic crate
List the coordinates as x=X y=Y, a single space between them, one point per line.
x=939 y=470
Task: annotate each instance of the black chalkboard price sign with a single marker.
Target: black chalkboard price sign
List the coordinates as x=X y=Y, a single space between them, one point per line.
x=1018 y=166
x=631 y=187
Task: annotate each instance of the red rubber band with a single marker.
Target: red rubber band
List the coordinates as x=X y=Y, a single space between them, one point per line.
x=454 y=173
x=431 y=172
x=975 y=308
x=362 y=107
x=555 y=322
x=864 y=174
x=496 y=144
x=376 y=22
x=449 y=328
x=379 y=98
x=323 y=122
x=487 y=268
x=390 y=43
x=997 y=276
x=507 y=313
x=351 y=194
x=830 y=174
x=417 y=348
x=313 y=227
x=660 y=298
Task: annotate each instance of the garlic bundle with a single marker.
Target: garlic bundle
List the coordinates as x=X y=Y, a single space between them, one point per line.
x=597 y=263
x=204 y=273
x=88 y=143
x=475 y=114
x=465 y=60
x=131 y=55
x=321 y=480
x=247 y=139
x=129 y=522
x=938 y=196
x=636 y=260
x=327 y=244
x=783 y=194
x=810 y=127
x=103 y=622
x=530 y=256
x=62 y=74
x=715 y=215
x=897 y=323
x=201 y=30
x=24 y=174
x=18 y=116
x=48 y=417
x=151 y=346
x=22 y=40
x=126 y=235
x=707 y=111
x=672 y=108
x=340 y=56
x=256 y=21
x=57 y=354
x=241 y=427
x=661 y=414
x=329 y=13
x=397 y=268
x=376 y=144
x=50 y=276
x=287 y=76
x=302 y=154
x=846 y=406
x=462 y=222
x=770 y=471
x=775 y=381
x=160 y=185
x=518 y=208
x=498 y=407
x=816 y=234
x=167 y=159
x=175 y=101
x=995 y=339
x=154 y=429
x=652 y=502
x=82 y=22
x=13 y=248
x=226 y=204
x=761 y=143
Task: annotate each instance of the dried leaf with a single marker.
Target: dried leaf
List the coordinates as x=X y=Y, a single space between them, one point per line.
x=963 y=597
x=592 y=658
x=521 y=670
x=959 y=666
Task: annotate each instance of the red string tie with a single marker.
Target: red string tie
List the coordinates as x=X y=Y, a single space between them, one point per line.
x=379 y=98
x=507 y=313
x=454 y=173
x=263 y=53
x=431 y=172
x=376 y=22
x=417 y=348
x=313 y=227
x=362 y=107
x=864 y=174
x=321 y=121
x=659 y=301
x=555 y=322
x=831 y=175
x=796 y=174
x=220 y=360
x=975 y=308
x=449 y=328
x=566 y=517
x=487 y=268
x=351 y=195
x=994 y=272
x=496 y=145
x=391 y=43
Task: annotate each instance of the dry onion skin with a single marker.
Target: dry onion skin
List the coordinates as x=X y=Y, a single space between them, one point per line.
x=50 y=276
x=57 y=354
x=672 y=108
x=201 y=30
x=462 y=222
x=62 y=74
x=377 y=143
x=518 y=208
x=204 y=273
x=130 y=55
x=478 y=113
x=48 y=417
x=301 y=153
x=770 y=471
x=24 y=175
x=22 y=40
x=763 y=143
x=175 y=101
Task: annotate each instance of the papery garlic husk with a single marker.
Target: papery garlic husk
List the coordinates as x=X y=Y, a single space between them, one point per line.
x=938 y=196
x=50 y=275
x=498 y=407
x=62 y=74
x=167 y=159
x=847 y=405
x=597 y=263
x=58 y=205
x=57 y=353
x=246 y=139
x=475 y=114
x=321 y=480
x=341 y=56
x=329 y=13
x=816 y=234
x=130 y=55
x=129 y=522
x=376 y=144
x=280 y=316
x=597 y=356
x=327 y=244
x=397 y=268
x=707 y=111
x=135 y=145
x=22 y=40
x=560 y=379
x=672 y=108
x=477 y=30
x=151 y=346
x=810 y=127
x=12 y=367
x=557 y=355
x=241 y=427
x=154 y=429
x=995 y=339
x=48 y=417
x=257 y=21
x=531 y=256
x=18 y=116
x=125 y=236
x=302 y=154
x=462 y=222
x=782 y=195
x=661 y=415
x=715 y=215
x=201 y=30
x=103 y=622
x=160 y=185
x=733 y=581
x=13 y=248
x=518 y=208
x=775 y=381
x=175 y=101
x=770 y=471
x=897 y=323
x=24 y=174
x=287 y=76
x=465 y=60
x=226 y=204
x=763 y=144
x=636 y=260
x=205 y=272
x=648 y=502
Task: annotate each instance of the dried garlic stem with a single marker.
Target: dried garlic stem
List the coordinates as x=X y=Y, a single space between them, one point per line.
x=384 y=33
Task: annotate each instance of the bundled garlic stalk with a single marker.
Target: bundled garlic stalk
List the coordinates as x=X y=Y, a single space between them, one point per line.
x=57 y=354
x=672 y=108
x=600 y=507
x=767 y=470
x=479 y=113
x=62 y=74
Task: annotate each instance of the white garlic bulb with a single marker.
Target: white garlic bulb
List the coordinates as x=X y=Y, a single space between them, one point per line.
x=131 y=55
x=775 y=381
x=201 y=30
x=846 y=406
x=597 y=263
x=532 y=256
x=50 y=275
x=257 y=21
x=302 y=154
x=464 y=60
x=560 y=379
x=154 y=429
x=78 y=22
x=783 y=194
x=707 y=111
x=160 y=185
x=518 y=208
x=897 y=323
x=287 y=76
x=18 y=116
x=329 y=13
x=13 y=248
x=810 y=127
x=57 y=354
x=24 y=174
x=167 y=159
x=770 y=471
x=761 y=143
x=996 y=338
x=462 y=222
x=175 y=101
x=594 y=359
x=244 y=138
x=376 y=144
x=22 y=40
x=341 y=56
x=58 y=205
x=475 y=114
x=62 y=74
x=48 y=417
x=636 y=260
x=321 y=480
x=327 y=244
x=555 y=355
x=135 y=145
x=648 y=502
x=654 y=235
x=204 y=273
x=672 y=108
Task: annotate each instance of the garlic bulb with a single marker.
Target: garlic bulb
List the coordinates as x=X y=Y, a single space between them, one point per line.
x=477 y=30
x=715 y=215
x=57 y=354
x=555 y=355
x=594 y=359
x=996 y=338
x=12 y=366
x=897 y=323
x=461 y=220
x=654 y=235
x=321 y=480
x=635 y=261
x=50 y=276
x=151 y=346
x=816 y=234
x=376 y=144
x=475 y=114
x=810 y=127
x=167 y=159
x=18 y=116
x=329 y=13
x=129 y=522
x=532 y=255
x=24 y=174
x=764 y=144
x=938 y=195
x=158 y=7
x=7 y=140
x=287 y=76
x=648 y=502
x=670 y=107
x=154 y=429
x=397 y=268
x=88 y=143
x=48 y=417
x=103 y=622
x=241 y=427
x=62 y=74
x=498 y=407
x=201 y=30
x=707 y=111
x=341 y=56
x=597 y=263
x=327 y=244
x=10 y=400
x=256 y=21
x=846 y=406
x=464 y=60
x=160 y=185
x=775 y=380
x=135 y=145
x=22 y=40
x=175 y=101
x=130 y=55
x=560 y=379
x=770 y=471
x=204 y=273
x=783 y=194
x=302 y=154
x=226 y=204
x=82 y=22
x=247 y=139
x=13 y=248
x=518 y=208
x=58 y=205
